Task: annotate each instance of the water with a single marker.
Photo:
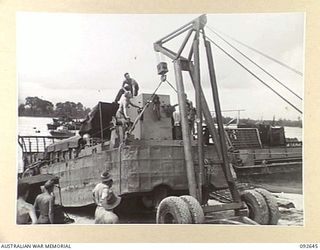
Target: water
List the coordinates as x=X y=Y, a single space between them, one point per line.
x=33 y=126
x=38 y=126
x=293 y=132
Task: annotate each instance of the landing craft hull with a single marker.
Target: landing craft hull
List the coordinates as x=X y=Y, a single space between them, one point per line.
x=278 y=169
x=141 y=166
x=136 y=169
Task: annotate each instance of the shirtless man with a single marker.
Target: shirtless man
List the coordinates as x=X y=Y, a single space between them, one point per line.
x=105 y=200
x=25 y=211
x=124 y=103
x=45 y=204
x=132 y=85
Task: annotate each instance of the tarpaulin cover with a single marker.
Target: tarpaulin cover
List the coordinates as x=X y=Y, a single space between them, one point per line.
x=91 y=125
x=65 y=144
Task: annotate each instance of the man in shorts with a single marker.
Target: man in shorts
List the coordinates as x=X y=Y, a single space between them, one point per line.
x=106 y=201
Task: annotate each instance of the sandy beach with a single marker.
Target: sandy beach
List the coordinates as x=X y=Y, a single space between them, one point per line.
x=290 y=216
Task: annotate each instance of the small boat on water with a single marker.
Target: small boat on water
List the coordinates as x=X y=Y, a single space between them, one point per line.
x=70 y=124
x=62 y=131
x=55 y=124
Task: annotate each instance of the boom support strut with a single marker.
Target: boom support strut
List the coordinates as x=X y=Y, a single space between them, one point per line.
x=186 y=64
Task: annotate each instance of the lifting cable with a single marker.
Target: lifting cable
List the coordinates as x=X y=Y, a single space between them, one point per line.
x=265 y=71
x=144 y=108
x=263 y=82
x=171 y=86
x=261 y=53
x=99 y=132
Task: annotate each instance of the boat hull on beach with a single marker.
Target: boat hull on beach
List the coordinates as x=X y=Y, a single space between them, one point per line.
x=139 y=169
x=264 y=155
x=143 y=168
x=278 y=169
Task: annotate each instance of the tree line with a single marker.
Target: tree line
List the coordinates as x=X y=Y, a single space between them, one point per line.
x=35 y=106
x=279 y=122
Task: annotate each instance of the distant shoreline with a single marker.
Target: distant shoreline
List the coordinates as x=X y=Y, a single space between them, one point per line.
x=253 y=121
x=38 y=116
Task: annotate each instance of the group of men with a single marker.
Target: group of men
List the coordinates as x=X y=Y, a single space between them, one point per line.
x=130 y=88
x=103 y=196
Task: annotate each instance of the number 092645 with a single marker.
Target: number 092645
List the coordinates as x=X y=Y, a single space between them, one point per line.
x=308 y=246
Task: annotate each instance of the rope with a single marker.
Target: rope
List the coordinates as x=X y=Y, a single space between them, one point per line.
x=264 y=83
x=261 y=53
x=171 y=86
x=99 y=131
x=265 y=71
x=144 y=109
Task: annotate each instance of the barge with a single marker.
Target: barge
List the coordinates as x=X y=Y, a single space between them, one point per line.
x=150 y=163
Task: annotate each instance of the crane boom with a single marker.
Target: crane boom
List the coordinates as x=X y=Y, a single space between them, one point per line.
x=193 y=67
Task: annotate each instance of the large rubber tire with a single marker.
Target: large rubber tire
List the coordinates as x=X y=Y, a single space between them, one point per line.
x=196 y=211
x=258 y=209
x=274 y=213
x=173 y=210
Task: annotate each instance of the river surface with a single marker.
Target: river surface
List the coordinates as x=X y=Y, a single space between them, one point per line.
x=38 y=126
x=33 y=126
x=291 y=216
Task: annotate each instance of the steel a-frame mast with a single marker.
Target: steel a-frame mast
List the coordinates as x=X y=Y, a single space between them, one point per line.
x=193 y=67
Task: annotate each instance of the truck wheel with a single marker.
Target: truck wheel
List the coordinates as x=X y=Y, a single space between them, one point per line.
x=274 y=214
x=173 y=210
x=258 y=209
x=196 y=211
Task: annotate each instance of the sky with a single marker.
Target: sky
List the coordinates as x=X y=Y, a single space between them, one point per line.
x=83 y=57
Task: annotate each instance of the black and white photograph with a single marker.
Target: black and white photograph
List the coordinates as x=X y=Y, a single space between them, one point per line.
x=160 y=118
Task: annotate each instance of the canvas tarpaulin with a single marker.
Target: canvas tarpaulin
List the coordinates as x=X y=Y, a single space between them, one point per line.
x=92 y=126
x=64 y=145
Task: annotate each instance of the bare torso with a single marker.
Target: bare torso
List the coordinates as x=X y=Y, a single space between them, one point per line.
x=25 y=212
x=45 y=203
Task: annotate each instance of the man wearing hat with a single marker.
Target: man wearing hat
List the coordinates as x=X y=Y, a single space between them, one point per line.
x=105 y=200
x=44 y=203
